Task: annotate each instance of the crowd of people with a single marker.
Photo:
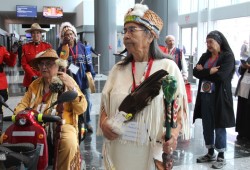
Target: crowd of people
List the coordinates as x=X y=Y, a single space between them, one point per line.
x=41 y=64
x=71 y=62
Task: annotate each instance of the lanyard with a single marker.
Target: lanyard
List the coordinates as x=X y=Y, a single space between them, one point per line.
x=73 y=54
x=210 y=63
x=145 y=74
x=45 y=96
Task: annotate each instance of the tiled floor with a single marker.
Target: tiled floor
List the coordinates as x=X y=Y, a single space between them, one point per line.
x=237 y=155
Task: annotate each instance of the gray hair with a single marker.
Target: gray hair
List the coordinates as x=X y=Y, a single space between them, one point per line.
x=169 y=36
x=154 y=51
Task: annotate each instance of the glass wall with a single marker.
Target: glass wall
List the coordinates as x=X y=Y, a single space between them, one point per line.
x=222 y=3
x=236 y=31
x=122 y=7
x=188 y=6
x=189 y=40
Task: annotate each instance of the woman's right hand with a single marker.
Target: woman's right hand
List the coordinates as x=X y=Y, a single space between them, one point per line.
x=107 y=130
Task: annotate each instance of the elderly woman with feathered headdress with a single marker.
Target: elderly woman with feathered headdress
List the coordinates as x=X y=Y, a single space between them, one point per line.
x=137 y=143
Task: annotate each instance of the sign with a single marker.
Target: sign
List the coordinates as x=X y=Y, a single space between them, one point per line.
x=26 y=11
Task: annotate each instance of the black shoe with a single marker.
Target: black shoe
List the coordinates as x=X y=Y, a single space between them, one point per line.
x=89 y=128
x=240 y=138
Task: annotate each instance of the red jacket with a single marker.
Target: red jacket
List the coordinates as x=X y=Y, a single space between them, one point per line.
x=30 y=50
x=163 y=49
x=10 y=60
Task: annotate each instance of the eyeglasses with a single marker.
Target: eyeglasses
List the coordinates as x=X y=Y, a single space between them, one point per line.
x=47 y=64
x=131 y=30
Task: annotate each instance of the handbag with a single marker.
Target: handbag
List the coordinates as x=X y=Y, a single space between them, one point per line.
x=91 y=82
x=189 y=92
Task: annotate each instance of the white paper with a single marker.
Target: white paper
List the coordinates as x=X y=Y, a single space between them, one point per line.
x=133 y=132
x=73 y=68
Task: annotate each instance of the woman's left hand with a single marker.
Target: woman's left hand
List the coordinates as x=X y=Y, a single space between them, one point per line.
x=170 y=145
x=65 y=78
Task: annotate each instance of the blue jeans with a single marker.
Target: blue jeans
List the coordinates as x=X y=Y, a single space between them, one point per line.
x=86 y=92
x=214 y=137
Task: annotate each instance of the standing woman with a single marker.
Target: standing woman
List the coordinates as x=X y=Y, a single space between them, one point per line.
x=242 y=91
x=120 y=152
x=214 y=103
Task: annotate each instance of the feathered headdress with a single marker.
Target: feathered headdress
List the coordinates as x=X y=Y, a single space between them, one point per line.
x=65 y=26
x=142 y=15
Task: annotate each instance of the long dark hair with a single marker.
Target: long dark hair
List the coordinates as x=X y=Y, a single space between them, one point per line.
x=154 y=51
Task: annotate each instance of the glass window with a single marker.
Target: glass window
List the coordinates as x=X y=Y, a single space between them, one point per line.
x=194 y=40
x=189 y=40
x=222 y=3
x=236 y=31
x=188 y=6
x=122 y=7
x=239 y=1
x=186 y=40
x=194 y=6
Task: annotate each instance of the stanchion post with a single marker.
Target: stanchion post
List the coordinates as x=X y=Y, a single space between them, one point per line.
x=98 y=60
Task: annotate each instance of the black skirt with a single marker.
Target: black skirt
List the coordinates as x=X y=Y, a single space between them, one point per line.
x=243 y=117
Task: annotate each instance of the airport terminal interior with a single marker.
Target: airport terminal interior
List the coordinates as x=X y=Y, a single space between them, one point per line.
x=188 y=20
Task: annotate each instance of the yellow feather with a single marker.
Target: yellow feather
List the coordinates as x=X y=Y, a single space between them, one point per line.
x=64 y=54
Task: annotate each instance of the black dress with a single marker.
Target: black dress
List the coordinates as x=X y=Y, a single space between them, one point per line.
x=243 y=112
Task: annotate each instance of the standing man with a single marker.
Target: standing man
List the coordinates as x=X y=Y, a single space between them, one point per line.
x=177 y=55
x=30 y=50
x=78 y=64
x=89 y=50
x=10 y=60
